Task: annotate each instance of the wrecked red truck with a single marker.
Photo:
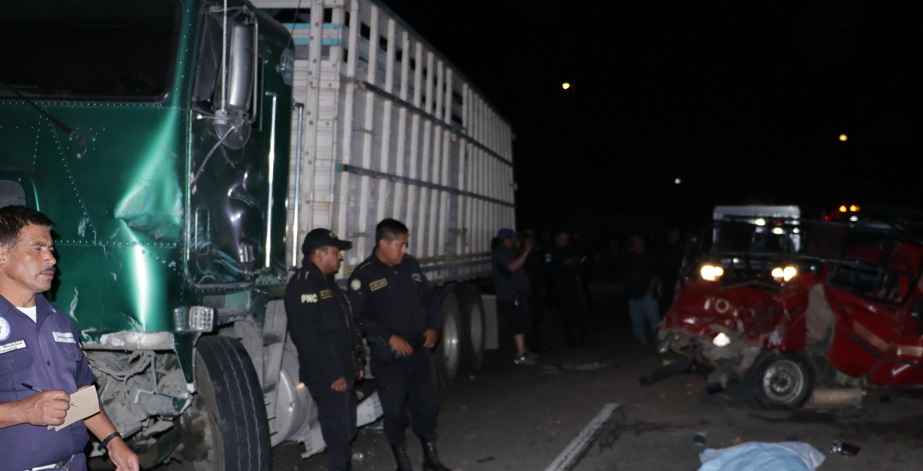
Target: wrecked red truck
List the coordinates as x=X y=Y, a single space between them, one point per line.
x=796 y=311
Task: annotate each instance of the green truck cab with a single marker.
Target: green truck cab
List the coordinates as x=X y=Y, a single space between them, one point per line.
x=184 y=147
x=156 y=135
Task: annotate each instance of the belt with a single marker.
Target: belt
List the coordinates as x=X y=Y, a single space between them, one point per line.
x=60 y=464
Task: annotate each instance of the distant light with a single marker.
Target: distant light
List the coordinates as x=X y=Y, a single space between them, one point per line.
x=853 y=208
x=843 y=137
x=842 y=208
x=677 y=180
x=778 y=231
x=760 y=222
x=565 y=85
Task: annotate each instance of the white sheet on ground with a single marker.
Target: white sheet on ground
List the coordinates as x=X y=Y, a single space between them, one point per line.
x=759 y=456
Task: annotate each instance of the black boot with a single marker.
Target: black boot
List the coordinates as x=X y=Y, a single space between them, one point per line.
x=431 y=455
x=401 y=460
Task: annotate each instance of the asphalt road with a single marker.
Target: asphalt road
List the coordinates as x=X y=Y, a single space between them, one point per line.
x=583 y=409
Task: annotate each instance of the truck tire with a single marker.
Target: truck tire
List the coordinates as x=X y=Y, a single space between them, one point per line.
x=782 y=382
x=474 y=334
x=227 y=418
x=448 y=355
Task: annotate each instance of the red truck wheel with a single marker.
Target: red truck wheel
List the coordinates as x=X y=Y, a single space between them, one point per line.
x=783 y=382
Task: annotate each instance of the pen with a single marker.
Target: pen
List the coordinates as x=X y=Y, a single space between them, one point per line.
x=29 y=386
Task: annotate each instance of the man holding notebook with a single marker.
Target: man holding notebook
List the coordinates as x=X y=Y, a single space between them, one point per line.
x=41 y=362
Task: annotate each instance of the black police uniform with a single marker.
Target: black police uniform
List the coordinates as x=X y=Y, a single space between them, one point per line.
x=400 y=301
x=327 y=338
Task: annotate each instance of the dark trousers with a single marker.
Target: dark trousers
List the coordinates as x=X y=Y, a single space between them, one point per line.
x=336 y=412
x=573 y=316
x=536 y=304
x=407 y=383
x=517 y=315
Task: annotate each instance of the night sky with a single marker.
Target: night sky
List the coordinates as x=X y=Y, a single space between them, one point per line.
x=743 y=101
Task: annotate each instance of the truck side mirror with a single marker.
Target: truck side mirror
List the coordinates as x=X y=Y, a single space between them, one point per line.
x=234 y=123
x=241 y=67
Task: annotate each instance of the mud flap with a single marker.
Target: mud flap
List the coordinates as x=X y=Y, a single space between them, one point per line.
x=368 y=411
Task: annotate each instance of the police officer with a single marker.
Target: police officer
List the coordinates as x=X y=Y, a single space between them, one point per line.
x=41 y=363
x=327 y=338
x=399 y=314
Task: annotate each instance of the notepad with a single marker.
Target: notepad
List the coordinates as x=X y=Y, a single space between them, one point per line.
x=84 y=403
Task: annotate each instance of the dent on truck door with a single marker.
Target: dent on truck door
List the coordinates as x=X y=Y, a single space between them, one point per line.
x=863 y=334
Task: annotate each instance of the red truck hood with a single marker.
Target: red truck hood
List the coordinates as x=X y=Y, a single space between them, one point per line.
x=750 y=310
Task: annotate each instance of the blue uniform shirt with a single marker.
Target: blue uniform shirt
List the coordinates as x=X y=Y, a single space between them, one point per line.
x=47 y=355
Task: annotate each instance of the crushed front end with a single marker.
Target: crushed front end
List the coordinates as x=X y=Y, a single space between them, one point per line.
x=740 y=294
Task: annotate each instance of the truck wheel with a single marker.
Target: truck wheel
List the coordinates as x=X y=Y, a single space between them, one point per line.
x=226 y=425
x=448 y=346
x=473 y=338
x=782 y=382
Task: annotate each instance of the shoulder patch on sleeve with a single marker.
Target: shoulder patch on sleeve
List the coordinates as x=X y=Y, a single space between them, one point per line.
x=417 y=277
x=378 y=284
x=355 y=284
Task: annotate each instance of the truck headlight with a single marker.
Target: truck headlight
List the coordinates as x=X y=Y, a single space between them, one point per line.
x=721 y=340
x=784 y=274
x=711 y=272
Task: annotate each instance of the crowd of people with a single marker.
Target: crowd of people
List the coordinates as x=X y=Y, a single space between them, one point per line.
x=541 y=280
x=388 y=303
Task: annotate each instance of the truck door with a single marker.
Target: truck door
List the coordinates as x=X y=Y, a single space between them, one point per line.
x=903 y=363
x=876 y=336
x=237 y=189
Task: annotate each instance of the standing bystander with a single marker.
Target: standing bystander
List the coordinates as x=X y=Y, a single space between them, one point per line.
x=34 y=334
x=327 y=339
x=566 y=290
x=397 y=307
x=536 y=299
x=671 y=259
x=511 y=285
x=639 y=274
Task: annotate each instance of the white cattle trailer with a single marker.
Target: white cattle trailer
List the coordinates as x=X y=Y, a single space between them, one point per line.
x=388 y=127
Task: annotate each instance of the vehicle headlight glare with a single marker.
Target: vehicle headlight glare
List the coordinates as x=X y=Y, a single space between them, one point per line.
x=721 y=340
x=777 y=273
x=784 y=274
x=711 y=272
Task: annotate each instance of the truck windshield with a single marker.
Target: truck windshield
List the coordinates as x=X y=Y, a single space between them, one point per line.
x=745 y=237
x=110 y=50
